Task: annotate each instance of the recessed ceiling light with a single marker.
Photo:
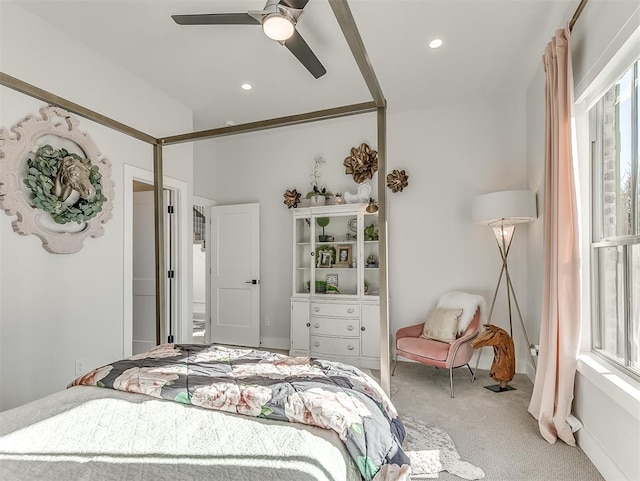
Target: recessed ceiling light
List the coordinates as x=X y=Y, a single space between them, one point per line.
x=246 y=86
x=435 y=43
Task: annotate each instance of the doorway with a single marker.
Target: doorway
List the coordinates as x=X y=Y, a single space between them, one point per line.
x=201 y=300
x=200 y=324
x=177 y=240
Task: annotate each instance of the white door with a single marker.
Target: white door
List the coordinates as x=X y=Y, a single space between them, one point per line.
x=144 y=282
x=235 y=275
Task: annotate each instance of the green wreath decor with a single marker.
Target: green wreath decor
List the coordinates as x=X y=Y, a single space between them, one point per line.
x=41 y=174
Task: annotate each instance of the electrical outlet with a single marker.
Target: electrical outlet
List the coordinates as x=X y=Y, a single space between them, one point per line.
x=79 y=367
x=267 y=321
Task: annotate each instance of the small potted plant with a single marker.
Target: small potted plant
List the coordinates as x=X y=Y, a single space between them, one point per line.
x=317 y=195
x=323 y=222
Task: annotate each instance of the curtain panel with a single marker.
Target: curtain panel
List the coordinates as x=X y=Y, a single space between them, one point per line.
x=560 y=319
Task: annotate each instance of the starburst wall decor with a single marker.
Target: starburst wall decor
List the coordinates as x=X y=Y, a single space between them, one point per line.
x=362 y=163
x=397 y=180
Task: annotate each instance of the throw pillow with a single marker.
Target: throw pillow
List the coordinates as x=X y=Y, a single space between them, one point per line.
x=442 y=324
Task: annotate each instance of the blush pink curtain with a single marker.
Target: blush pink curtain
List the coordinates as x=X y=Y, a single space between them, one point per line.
x=560 y=319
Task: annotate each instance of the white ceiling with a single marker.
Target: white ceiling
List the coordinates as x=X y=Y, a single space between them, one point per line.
x=490 y=46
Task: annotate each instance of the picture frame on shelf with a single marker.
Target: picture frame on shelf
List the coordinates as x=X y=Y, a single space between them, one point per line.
x=332 y=280
x=325 y=258
x=343 y=256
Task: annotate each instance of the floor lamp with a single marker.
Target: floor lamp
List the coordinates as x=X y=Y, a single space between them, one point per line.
x=502 y=211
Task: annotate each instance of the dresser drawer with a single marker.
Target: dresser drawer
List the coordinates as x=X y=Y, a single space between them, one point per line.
x=335 y=346
x=335 y=310
x=330 y=326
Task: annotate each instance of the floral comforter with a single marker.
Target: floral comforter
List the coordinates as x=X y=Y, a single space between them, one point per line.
x=255 y=383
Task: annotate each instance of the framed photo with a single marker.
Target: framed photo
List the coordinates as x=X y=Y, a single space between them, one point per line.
x=343 y=256
x=332 y=280
x=325 y=259
x=325 y=256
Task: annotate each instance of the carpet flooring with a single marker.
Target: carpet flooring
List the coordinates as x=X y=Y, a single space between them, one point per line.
x=491 y=430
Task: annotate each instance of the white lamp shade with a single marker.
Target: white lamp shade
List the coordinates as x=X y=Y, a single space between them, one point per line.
x=514 y=206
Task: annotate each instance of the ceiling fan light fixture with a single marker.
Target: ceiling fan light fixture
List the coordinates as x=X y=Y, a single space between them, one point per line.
x=278 y=27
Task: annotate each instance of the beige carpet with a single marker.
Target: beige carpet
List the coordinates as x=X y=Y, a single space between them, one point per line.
x=493 y=431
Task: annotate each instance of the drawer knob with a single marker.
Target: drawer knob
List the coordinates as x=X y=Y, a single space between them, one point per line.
x=316 y=344
x=316 y=325
x=350 y=310
x=316 y=309
x=363 y=328
x=350 y=347
x=308 y=324
x=349 y=327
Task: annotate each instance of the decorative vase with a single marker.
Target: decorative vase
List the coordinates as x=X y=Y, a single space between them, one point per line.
x=317 y=200
x=338 y=200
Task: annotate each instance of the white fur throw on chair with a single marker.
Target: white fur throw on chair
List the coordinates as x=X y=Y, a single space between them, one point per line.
x=468 y=303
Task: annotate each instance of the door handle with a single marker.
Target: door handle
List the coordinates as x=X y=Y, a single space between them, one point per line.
x=253 y=281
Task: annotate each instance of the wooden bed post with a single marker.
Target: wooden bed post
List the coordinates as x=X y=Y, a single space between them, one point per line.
x=383 y=254
x=161 y=274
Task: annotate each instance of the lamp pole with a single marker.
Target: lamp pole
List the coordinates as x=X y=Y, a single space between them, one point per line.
x=504 y=237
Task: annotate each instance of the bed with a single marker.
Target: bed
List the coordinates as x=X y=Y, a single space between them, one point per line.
x=197 y=412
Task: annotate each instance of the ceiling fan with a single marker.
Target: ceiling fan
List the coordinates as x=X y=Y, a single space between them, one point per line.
x=278 y=20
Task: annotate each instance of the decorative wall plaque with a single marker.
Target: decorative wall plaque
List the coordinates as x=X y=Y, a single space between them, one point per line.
x=54 y=180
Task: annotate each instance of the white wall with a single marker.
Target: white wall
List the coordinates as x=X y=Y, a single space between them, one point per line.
x=451 y=154
x=204 y=168
x=535 y=178
x=59 y=308
x=604 y=400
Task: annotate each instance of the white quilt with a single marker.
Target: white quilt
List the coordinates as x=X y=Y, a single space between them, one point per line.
x=90 y=433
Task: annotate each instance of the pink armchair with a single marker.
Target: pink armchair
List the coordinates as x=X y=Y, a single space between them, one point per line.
x=410 y=345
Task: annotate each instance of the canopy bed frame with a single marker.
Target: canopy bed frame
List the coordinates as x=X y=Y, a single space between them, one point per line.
x=350 y=31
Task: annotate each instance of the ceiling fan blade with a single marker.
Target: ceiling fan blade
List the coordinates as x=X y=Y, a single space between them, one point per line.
x=298 y=47
x=297 y=4
x=216 y=19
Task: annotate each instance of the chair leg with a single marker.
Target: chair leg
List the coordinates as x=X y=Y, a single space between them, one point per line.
x=475 y=371
x=395 y=363
x=473 y=377
x=451 y=380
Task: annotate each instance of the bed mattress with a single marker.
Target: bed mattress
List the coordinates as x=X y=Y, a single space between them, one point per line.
x=91 y=433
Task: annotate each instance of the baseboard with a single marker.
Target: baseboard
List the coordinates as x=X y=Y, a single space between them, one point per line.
x=531 y=372
x=599 y=457
x=274 y=343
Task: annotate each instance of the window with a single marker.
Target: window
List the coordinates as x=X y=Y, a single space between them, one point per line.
x=616 y=223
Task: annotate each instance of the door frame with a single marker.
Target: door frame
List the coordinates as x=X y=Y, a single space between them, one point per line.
x=183 y=259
